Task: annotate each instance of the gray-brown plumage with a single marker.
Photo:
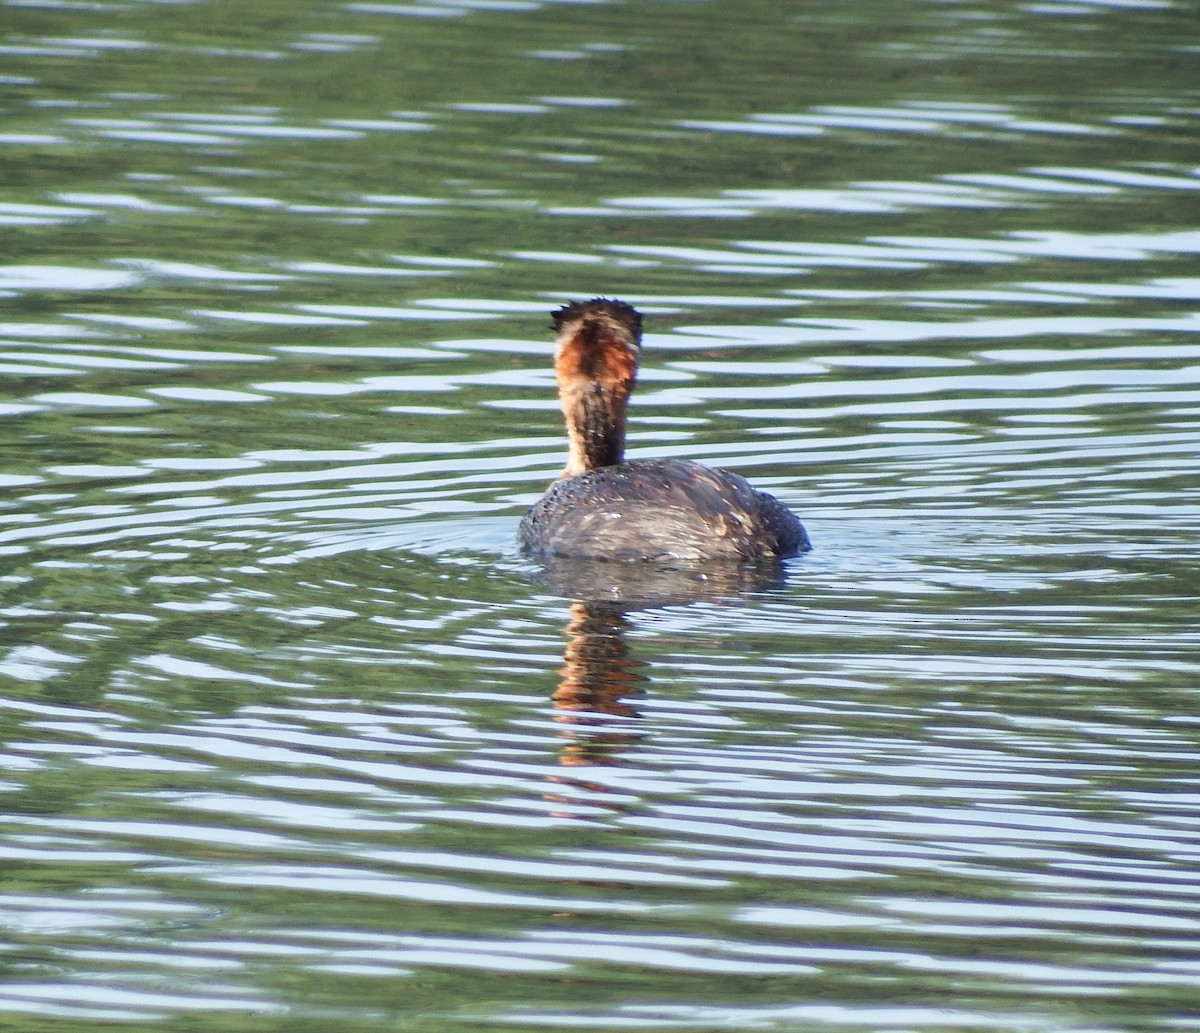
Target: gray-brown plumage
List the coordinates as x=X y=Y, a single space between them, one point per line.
x=657 y=509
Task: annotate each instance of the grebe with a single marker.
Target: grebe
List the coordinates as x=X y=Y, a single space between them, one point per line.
x=602 y=507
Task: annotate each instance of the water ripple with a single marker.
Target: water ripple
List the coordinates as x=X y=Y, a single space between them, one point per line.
x=292 y=732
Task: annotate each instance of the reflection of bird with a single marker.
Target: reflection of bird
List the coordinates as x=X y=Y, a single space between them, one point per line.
x=605 y=508
x=597 y=677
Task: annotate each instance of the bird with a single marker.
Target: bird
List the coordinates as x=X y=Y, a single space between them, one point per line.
x=604 y=507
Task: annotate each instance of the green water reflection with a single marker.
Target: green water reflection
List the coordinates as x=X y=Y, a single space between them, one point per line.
x=294 y=739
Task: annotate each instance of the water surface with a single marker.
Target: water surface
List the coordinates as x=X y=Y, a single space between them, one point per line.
x=295 y=738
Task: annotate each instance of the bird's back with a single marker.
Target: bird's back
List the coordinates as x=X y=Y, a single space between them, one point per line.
x=660 y=509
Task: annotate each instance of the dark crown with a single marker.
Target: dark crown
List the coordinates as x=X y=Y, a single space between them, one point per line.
x=624 y=314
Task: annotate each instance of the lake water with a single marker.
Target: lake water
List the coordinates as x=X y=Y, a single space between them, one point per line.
x=294 y=740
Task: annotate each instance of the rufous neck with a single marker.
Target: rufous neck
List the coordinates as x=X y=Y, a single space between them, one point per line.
x=596 y=364
x=595 y=426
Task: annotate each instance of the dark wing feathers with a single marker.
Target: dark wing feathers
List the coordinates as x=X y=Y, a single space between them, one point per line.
x=660 y=509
